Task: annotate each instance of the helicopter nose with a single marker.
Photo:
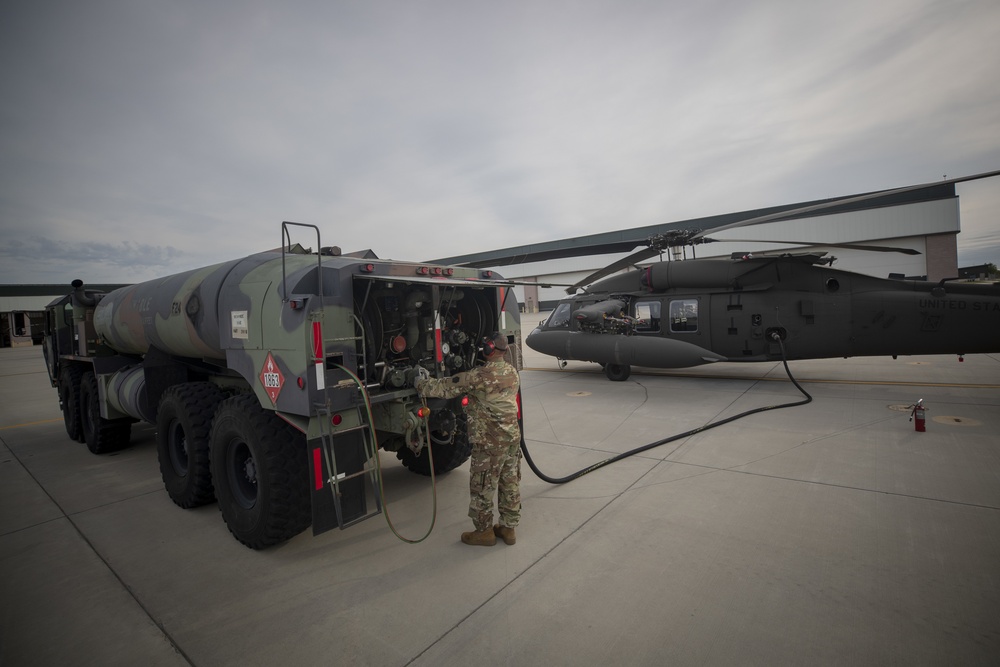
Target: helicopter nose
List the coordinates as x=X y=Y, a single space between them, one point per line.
x=547 y=342
x=532 y=339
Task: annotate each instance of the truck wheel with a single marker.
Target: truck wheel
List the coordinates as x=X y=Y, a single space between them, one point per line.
x=183 y=426
x=617 y=372
x=101 y=435
x=446 y=457
x=261 y=473
x=69 y=400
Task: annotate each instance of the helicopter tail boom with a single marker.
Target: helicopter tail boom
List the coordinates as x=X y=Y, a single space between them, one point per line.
x=620 y=349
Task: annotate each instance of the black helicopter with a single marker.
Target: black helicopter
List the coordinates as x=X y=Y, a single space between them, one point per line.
x=678 y=314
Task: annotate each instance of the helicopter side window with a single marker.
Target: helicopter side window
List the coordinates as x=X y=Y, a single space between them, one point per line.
x=647 y=314
x=684 y=316
x=559 y=317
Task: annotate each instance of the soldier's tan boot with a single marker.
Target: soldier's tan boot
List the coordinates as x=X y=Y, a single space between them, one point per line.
x=481 y=538
x=504 y=533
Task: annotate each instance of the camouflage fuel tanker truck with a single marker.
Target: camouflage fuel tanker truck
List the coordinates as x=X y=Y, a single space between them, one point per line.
x=272 y=380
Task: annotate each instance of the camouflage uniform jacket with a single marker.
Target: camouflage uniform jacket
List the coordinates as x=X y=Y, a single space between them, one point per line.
x=492 y=390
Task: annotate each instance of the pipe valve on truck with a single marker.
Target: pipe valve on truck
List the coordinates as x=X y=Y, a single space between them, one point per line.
x=273 y=381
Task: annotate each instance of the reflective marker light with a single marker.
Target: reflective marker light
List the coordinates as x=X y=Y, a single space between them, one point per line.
x=487 y=274
x=423 y=413
x=422 y=270
x=465 y=401
x=367 y=268
x=317 y=341
x=336 y=420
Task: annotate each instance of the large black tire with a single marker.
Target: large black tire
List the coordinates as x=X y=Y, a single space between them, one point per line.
x=260 y=470
x=446 y=457
x=183 y=428
x=617 y=372
x=101 y=435
x=69 y=400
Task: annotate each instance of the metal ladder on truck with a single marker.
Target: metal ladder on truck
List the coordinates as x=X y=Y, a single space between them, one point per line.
x=348 y=488
x=357 y=444
x=352 y=449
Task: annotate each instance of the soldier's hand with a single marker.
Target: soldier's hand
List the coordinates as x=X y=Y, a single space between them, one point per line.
x=420 y=375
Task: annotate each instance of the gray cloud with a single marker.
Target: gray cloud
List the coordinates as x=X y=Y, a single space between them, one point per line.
x=423 y=129
x=53 y=260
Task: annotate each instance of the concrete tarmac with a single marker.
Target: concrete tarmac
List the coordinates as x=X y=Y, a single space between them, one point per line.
x=827 y=534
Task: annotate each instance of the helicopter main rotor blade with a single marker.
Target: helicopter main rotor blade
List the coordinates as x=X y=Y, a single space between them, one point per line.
x=838 y=202
x=622 y=263
x=852 y=246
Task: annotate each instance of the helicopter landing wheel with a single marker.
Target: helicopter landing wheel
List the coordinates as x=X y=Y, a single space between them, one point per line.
x=617 y=372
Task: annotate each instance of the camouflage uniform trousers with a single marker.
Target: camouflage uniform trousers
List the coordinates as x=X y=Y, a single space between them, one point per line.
x=496 y=466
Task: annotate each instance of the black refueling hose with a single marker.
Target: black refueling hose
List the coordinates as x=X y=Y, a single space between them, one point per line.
x=637 y=450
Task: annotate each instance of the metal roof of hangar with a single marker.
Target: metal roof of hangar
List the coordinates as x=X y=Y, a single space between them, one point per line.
x=625 y=240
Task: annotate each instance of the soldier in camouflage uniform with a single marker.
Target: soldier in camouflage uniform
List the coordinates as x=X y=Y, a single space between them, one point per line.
x=495 y=435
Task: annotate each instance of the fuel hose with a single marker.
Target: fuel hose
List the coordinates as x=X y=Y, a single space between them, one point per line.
x=679 y=436
x=378 y=466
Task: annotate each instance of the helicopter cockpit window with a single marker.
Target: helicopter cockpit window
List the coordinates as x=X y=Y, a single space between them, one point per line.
x=684 y=315
x=647 y=315
x=559 y=317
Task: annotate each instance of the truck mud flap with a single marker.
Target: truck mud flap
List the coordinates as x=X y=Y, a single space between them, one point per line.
x=338 y=496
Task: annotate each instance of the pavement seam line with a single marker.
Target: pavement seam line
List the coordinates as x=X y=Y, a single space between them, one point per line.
x=530 y=567
x=128 y=589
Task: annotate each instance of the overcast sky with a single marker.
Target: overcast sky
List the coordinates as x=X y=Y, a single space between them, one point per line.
x=143 y=137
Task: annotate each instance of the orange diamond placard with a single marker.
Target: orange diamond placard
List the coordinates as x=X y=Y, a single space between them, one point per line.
x=271 y=378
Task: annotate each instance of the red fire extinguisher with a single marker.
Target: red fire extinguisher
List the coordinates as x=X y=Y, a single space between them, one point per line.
x=917 y=416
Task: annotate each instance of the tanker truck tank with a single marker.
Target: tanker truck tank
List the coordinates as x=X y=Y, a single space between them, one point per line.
x=190 y=314
x=177 y=314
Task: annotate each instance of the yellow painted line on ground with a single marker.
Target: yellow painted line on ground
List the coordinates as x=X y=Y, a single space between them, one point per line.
x=44 y=421
x=778 y=379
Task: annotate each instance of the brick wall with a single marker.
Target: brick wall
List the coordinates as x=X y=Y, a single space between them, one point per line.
x=942 y=256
